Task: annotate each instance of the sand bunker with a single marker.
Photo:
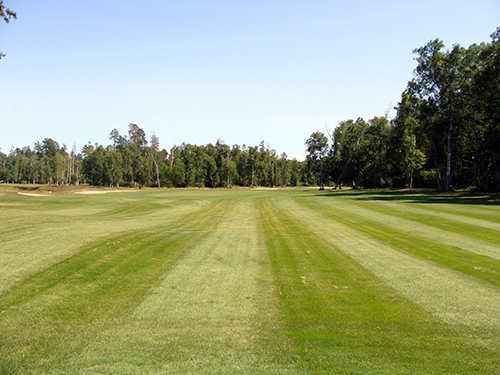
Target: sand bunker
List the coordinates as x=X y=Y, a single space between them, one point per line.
x=34 y=194
x=263 y=188
x=92 y=192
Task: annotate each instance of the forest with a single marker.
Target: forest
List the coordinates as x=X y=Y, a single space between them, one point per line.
x=445 y=135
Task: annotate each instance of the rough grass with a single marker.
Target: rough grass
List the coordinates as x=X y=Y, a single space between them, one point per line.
x=249 y=281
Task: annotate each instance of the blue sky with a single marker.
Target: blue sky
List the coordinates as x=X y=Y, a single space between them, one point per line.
x=196 y=71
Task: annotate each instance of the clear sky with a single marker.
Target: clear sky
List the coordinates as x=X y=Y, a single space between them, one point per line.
x=196 y=71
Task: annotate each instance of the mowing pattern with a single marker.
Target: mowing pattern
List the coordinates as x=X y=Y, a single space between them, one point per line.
x=282 y=281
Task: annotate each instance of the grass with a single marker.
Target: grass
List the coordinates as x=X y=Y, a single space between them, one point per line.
x=249 y=281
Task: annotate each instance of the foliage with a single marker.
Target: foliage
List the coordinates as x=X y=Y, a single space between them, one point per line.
x=131 y=161
x=6 y=14
x=446 y=133
x=317 y=147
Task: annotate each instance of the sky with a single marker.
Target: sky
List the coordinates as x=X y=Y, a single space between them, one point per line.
x=198 y=71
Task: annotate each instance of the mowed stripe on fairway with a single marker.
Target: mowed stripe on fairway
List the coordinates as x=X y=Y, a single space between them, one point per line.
x=384 y=228
x=481 y=241
x=39 y=237
x=464 y=231
x=440 y=212
x=240 y=281
x=481 y=212
x=447 y=294
x=209 y=313
x=481 y=207
x=343 y=319
x=56 y=312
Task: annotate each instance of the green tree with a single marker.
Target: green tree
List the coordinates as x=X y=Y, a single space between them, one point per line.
x=7 y=15
x=317 y=147
x=441 y=77
x=154 y=150
x=349 y=156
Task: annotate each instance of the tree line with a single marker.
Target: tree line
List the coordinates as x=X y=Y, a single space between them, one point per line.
x=130 y=160
x=446 y=134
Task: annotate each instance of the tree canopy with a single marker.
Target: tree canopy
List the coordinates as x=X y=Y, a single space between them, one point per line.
x=7 y=15
x=446 y=134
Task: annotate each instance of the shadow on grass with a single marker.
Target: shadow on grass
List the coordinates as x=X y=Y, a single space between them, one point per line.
x=28 y=188
x=424 y=196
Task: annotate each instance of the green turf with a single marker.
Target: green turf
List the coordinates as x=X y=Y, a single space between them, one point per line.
x=289 y=281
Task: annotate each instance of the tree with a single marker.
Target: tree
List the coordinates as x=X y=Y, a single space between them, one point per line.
x=118 y=140
x=94 y=165
x=155 y=148
x=349 y=154
x=447 y=129
x=178 y=172
x=486 y=99
x=408 y=142
x=7 y=15
x=113 y=167
x=441 y=77
x=136 y=135
x=316 y=147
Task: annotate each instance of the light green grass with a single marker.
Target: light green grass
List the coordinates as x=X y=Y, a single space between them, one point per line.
x=249 y=281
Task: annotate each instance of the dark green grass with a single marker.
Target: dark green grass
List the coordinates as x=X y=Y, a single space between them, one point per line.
x=344 y=320
x=483 y=234
x=425 y=197
x=56 y=312
x=476 y=265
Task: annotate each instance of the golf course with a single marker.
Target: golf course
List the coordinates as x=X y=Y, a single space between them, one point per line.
x=249 y=281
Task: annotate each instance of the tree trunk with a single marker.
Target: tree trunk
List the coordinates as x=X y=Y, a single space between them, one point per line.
x=153 y=159
x=447 y=175
x=157 y=173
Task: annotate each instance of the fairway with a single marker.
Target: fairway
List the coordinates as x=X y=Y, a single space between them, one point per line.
x=250 y=281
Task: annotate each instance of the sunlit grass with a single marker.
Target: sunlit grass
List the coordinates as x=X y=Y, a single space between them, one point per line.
x=248 y=281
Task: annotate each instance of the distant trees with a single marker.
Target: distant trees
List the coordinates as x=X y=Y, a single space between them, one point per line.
x=219 y=165
x=446 y=134
x=129 y=160
x=46 y=163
